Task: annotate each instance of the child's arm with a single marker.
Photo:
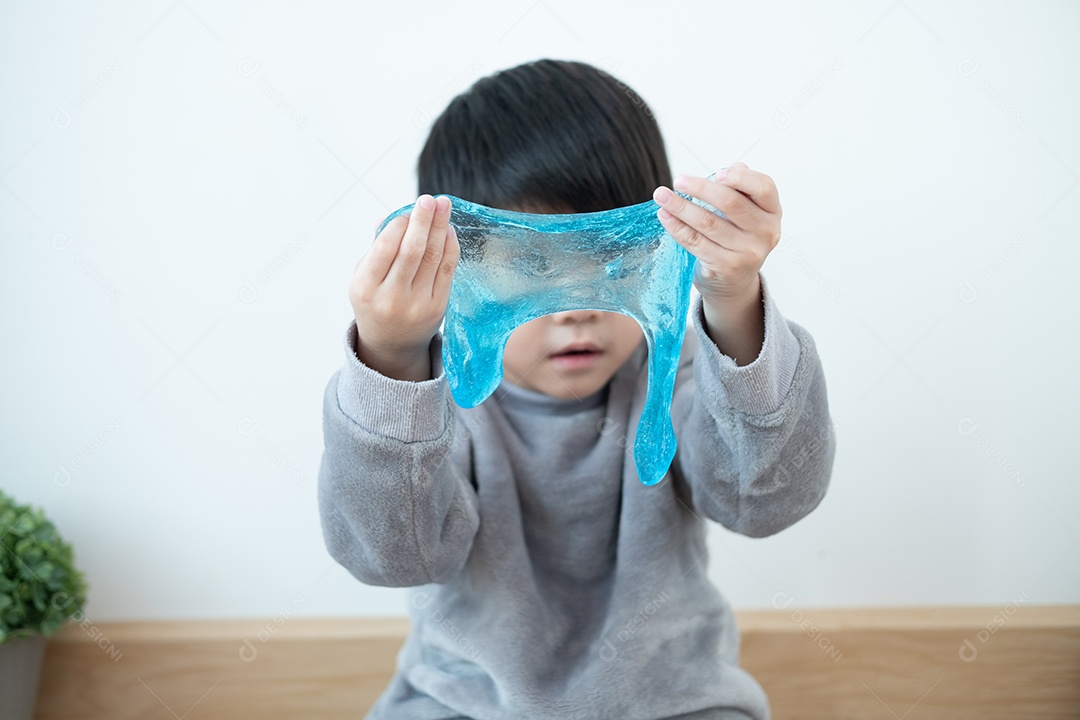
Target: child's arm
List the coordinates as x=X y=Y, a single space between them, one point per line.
x=756 y=443
x=395 y=508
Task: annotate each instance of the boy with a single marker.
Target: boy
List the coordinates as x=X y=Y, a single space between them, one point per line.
x=548 y=581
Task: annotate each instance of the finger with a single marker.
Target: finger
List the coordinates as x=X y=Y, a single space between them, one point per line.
x=436 y=239
x=759 y=187
x=697 y=244
x=414 y=244
x=376 y=262
x=714 y=261
x=740 y=210
x=451 y=253
x=711 y=228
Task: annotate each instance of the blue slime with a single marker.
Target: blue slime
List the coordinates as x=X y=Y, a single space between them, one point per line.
x=516 y=267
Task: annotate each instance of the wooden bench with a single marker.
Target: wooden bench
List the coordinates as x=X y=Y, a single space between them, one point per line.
x=911 y=663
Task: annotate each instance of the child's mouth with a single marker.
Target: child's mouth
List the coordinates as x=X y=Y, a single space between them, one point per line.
x=576 y=356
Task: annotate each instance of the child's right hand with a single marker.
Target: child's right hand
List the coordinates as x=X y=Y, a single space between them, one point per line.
x=400 y=288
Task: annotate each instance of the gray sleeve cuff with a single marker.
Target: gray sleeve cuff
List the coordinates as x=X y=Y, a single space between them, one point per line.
x=760 y=387
x=400 y=409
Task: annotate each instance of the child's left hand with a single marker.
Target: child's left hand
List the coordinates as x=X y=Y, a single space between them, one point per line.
x=730 y=251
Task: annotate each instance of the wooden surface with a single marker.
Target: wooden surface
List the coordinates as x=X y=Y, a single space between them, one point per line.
x=220 y=669
x=908 y=663
x=1018 y=662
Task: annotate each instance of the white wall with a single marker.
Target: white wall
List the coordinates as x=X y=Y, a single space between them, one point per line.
x=186 y=189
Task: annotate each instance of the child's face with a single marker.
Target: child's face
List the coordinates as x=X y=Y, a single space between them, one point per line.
x=570 y=354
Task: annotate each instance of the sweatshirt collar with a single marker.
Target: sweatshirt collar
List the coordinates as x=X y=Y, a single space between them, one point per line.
x=518 y=398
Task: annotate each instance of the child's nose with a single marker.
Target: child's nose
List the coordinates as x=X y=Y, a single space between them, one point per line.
x=572 y=317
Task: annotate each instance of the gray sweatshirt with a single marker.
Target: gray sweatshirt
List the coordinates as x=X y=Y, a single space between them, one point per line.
x=546 y=580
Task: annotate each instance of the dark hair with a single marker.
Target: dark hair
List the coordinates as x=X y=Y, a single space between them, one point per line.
x=546 y=136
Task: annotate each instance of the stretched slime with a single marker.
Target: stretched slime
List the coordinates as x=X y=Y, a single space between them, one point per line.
x=516 y=267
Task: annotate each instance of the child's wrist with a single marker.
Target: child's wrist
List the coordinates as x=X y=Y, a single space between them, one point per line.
x=409 y=363
x=736 y=325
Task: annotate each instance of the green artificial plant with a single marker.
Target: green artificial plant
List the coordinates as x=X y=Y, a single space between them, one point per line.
x=39 y=585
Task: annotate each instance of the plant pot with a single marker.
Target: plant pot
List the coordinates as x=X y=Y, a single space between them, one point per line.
x=20 y=668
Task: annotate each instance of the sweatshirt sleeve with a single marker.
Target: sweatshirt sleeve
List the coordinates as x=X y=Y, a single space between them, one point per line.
x=396 y=504
x=755 y=442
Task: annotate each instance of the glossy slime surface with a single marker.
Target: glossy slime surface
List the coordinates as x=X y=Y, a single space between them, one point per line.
x=516 y=267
